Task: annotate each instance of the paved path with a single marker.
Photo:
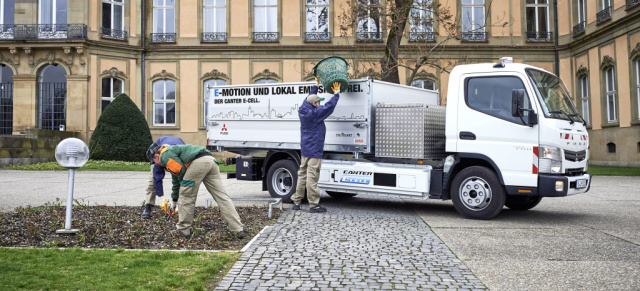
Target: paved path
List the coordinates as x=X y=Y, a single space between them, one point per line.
x=370 y=244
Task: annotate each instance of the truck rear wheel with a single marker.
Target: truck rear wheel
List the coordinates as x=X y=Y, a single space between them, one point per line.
x=282 y=179
x=340 y=195
x=476 y=193
x=522 y=203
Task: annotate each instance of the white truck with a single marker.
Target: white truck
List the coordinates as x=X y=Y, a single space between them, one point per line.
x=508 y=136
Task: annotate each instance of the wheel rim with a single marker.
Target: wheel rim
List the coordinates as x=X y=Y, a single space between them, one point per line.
x=475 y=193
x=282 y=181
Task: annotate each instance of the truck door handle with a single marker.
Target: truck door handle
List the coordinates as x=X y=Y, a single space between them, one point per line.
x=467 y=135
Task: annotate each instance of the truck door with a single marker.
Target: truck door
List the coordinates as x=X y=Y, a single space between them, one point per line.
x=486 y=127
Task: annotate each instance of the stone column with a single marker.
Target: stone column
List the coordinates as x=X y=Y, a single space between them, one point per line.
x=24 y=103
x=77 y=105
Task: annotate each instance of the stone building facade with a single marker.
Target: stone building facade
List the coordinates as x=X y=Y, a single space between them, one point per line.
x=63 y=61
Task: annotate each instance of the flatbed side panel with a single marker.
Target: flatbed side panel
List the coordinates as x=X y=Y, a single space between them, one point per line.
x=266 y=115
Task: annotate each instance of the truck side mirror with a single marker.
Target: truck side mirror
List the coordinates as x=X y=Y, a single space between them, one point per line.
x=517 y=98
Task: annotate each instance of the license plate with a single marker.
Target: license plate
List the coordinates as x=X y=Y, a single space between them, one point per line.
x=582 y=183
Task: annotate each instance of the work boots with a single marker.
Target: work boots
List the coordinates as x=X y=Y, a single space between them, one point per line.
x=146 y=214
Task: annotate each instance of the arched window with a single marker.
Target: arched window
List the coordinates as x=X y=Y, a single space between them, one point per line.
x=111 y=87
x=266 y=81
x=52 y=97
x=6 y=100
x=164 y=103
x=424 y=84
x=611 y=148
x=208 y=84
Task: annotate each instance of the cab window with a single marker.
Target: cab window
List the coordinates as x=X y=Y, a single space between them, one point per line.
x=492 y=96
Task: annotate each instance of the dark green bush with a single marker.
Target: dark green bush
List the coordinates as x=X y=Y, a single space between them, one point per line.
x=122 y=133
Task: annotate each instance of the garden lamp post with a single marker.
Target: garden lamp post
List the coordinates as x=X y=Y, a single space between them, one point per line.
x=71 y=153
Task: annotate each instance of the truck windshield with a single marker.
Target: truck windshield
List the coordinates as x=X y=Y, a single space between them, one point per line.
x=553 y=96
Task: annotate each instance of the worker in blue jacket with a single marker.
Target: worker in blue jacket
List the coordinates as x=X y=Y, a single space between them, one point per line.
x=156 y=175
x=312 y=132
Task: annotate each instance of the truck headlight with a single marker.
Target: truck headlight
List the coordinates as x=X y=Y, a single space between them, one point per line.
x=550 y=159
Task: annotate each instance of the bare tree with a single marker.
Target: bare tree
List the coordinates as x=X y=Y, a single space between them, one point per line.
x=427 y=43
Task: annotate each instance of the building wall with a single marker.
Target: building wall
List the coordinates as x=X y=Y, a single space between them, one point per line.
x=240 y=60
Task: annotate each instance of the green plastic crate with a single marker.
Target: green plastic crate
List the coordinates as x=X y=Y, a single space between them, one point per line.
x=331 y=70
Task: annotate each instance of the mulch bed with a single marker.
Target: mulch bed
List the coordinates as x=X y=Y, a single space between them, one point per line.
x=122 y=227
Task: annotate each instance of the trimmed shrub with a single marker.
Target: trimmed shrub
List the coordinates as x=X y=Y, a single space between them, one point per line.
x=122 y=133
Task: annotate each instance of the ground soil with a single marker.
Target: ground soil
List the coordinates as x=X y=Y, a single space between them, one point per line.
x=122 y=227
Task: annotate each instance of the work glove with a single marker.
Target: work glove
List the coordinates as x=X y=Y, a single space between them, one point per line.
x=173 y=206
x=336 y=87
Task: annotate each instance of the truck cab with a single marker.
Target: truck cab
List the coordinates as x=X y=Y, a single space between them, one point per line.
x=516 y=124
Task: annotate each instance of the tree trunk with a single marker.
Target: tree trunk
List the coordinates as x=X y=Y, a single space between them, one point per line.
x=389 y=63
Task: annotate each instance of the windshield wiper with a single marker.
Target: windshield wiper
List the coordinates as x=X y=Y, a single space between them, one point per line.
x=562 y=112
x=583 y=121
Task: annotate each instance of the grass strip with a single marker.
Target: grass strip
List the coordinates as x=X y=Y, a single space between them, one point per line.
x=92 y=165
x=78 y=269
x=613 y=171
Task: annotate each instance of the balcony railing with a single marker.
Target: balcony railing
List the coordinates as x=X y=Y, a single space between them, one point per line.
x=265 y=37
x=539 y=36
x=43 y=31
x=214 y=37
x=631 y=3
x=603 y=15
x=369 y=37
x=317 y=37
x=422 y=37
x=474 y=36
x=578 y=28
x=109 y=33
x=163 y=38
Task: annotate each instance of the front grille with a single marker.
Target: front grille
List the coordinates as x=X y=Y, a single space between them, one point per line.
x=574 y=171
x=575 y=156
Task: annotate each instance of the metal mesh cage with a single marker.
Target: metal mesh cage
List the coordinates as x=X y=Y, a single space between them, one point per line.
x=330 y=70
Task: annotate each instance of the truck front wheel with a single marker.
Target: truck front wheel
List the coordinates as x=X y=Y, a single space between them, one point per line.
x=282 y=179
x=476 y=193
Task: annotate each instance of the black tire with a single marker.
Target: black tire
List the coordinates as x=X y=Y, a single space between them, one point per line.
x=522 y=203
x=282 y=179
x=340 y=195
x=476 y=193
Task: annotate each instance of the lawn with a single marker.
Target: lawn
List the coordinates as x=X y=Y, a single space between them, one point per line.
x=78 y=269
x=613 y=171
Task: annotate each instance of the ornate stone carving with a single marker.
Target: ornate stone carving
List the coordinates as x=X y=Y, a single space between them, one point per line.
x=215 y=74
x=582 y=71
x=371 y=73
x=607 y=62
x=27 y=50
x=81 y=55
x=266 y=74
x=51 y=59
x=422 y=75
x=7 y=61
x=114 y=73
x=67 y=51
x=164 y=75
x=635 y=52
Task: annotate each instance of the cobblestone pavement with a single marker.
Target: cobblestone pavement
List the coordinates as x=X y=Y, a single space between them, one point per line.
x=364 y=243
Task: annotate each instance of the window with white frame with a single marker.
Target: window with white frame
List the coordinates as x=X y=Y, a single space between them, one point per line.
x=111 y=87
x=7 y=12
x=424 y=84
x=265 y=20
x=266 y=81
x=113 y=19
x=581 y=11
x=611 y=94
x=369 y=20
x=421 y=21
x=473 y=20
x=317 y=20
x=164 y=22
x=53 y=14
x=638 y=84
x=215 y=20
x=538 y=20
x=584 y=94
x=164 y=102
x=208 y=84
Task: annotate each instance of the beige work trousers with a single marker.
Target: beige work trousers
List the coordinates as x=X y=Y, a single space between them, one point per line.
x=204 y=170
x=308 y=176
x=151 y=190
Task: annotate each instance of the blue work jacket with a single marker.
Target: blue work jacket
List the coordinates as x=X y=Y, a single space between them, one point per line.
x=312 y=128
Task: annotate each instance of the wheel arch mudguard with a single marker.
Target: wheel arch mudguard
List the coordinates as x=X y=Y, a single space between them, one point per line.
x=274 y=156
x=465 y=160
